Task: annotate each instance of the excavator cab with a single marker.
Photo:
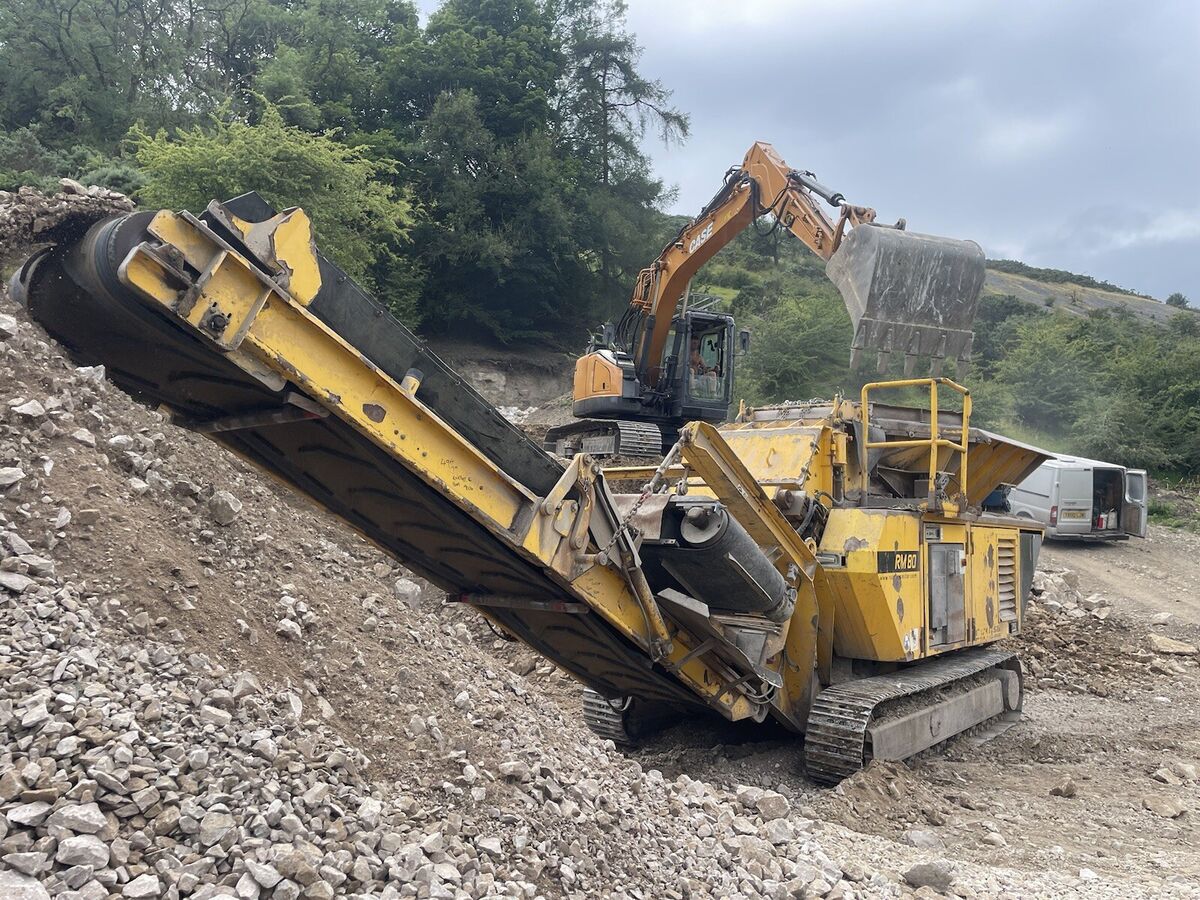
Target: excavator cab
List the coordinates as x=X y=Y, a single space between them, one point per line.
x=702 y=358
x=695 y=384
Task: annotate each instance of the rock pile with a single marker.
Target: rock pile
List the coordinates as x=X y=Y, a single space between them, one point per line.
x=1080 y=643
x=28 y=217
x=134 y=771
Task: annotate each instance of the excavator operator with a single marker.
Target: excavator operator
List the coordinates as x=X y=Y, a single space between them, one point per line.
x=705 y=373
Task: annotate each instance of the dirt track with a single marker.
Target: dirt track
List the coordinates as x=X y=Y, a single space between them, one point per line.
x=1143 y=578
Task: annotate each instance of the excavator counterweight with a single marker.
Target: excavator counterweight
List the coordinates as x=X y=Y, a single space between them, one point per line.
x=824 y=565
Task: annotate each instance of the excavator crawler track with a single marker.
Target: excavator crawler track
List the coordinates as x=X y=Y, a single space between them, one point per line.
x=837 y=742
x=601 y=438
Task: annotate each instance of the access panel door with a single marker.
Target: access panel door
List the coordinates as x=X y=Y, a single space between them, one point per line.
x=947 y=601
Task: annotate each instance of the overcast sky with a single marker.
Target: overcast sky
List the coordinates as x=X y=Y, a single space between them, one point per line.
x=1065 y=134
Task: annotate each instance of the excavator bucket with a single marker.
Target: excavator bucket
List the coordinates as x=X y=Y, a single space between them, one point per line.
x=908 y=293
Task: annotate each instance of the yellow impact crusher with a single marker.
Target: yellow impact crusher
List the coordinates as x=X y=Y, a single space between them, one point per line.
x=826 y=565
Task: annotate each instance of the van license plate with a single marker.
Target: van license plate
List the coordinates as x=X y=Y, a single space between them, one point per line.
x=1074 y=514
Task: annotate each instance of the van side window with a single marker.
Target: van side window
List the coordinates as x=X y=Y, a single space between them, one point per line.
x=1136 y=488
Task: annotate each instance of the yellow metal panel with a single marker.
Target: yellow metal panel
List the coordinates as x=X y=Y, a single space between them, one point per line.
x=779 y=455
x=310 y=355
x=878 y=615
x=983 y=608
x=146 y=274
x=294 y=248
x=286 y=240
x=195 y=248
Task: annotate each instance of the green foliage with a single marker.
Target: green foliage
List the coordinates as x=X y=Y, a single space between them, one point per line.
x=25 y=160
x=1049 y=368
x=360 y=218
x=800 y=351
x=117 y=176
x=499 y=245
x=731 y=276
x=1177 y=300
x=1056 y=276
x=1180 y=510
x=504 y=52
x=87 y=70
x=995 y=327
x=1185 y=324
x=329 y=68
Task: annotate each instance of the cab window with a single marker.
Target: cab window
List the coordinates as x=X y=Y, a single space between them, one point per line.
x=706 y=365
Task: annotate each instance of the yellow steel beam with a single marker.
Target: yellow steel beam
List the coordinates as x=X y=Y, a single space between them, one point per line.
x=810 y=631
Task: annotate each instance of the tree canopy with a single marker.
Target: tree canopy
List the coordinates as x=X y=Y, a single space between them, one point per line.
x=483 y=173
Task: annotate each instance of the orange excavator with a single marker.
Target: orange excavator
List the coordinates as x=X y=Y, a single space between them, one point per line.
x=664 y=364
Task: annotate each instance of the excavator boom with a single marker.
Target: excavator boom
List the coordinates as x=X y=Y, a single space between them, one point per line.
x=910 y=294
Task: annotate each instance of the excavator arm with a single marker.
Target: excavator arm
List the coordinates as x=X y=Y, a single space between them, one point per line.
x=907 y=292
x=763 y=183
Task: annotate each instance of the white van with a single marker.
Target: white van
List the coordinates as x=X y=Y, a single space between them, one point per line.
x=1083 y=499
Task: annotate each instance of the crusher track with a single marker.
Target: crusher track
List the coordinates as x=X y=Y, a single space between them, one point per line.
x=835 y=741
x=606 y=720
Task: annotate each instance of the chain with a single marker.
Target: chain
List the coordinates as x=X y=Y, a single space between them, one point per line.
x=624 y=526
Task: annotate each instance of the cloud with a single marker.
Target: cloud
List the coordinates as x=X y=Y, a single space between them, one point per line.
x=1009 y=123
x=1101 y=230
x=1025 y=138
x=1174 y=226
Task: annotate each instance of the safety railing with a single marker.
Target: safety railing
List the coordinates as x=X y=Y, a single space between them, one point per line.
x=934 y=442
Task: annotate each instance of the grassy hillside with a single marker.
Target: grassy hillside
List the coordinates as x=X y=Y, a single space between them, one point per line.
x=1073 y=297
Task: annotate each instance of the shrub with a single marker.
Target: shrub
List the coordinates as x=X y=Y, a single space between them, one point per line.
x=358 y=216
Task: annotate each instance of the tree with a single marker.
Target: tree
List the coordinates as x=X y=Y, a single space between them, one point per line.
x=605 y=109
x=504 y=52
x=327 y=71
x=800 y=350
x=501 y=243
x=360 y=219
x=86 y=70
x=1185 y=323
x=1177 y=300
x=1051 y=366
x=608 y=105
x=514 y=126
